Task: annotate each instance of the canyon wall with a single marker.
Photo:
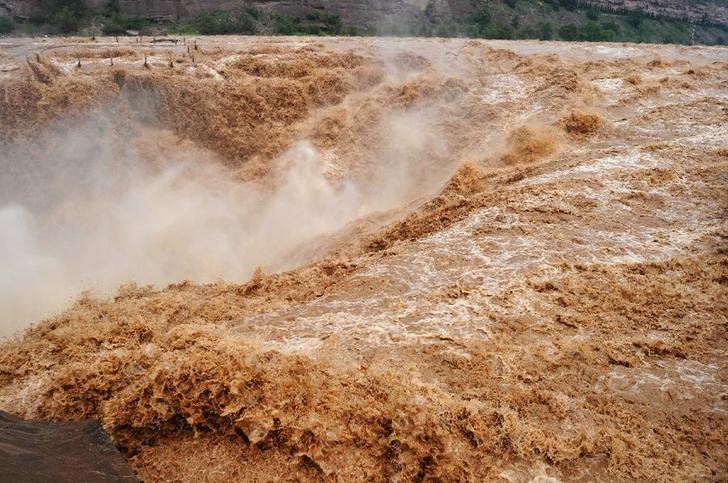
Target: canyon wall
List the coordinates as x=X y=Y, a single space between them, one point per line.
x=371 y=10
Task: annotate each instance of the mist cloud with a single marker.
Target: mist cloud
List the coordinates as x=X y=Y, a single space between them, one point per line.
x=89 y=207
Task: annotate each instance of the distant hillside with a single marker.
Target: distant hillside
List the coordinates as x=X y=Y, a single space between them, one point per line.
x=715 y=11
x=675 y=21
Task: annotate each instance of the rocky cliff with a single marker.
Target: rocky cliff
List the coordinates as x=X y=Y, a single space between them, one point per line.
x=349 y=10
x=714 y=11
x=694 y=11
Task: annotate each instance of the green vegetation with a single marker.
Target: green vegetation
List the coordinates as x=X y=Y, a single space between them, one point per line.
x=114 y=23
x=72 y=16
x=573 y=21
x=64 y=15
x=7 y=25
x=312 y=24
x=559 y=20
x=251 y=21
x=222 y=23
x=490 y=19
x=592 y=31
x=120 y=25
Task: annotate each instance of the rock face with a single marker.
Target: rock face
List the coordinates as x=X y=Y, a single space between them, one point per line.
x=349 y=10
x=19 y=8
x=36 y=452
x=371 y=10
x=714 y=12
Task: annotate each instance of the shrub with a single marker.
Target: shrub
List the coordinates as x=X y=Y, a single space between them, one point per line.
x=353 y=31
x=555 y=5
x=67 y=19
x=119 y=25
x=7 y=25
x=610 y=25
x=569 y=32
x=252 y=12
x=499 y=31
x=634 y=19
x=446 y=29
x=333 y=23
x=285 y=24
x=221 y=23
x=321 y=23
x=112 y=8
x=546 y=31
x=570 y=5
x=111 y=27
x=65 y=14
x=482 y=15
x=591 y=32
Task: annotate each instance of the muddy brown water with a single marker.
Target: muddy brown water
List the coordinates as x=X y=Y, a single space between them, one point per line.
x=371 y=259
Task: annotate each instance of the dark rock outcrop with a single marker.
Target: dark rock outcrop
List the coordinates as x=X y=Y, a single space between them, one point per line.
x=36 y=451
